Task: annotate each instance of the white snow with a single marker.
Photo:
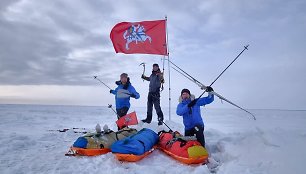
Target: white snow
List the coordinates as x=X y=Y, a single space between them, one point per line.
x=274 y=144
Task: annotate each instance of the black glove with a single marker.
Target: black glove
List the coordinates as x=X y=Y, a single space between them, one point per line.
x=192 y=103
x=110 y=91
x=209 y=89
x=162 y=81
x=133 y=95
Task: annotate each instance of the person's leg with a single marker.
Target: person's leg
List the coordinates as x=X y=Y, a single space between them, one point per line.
x=200 y=134
x=149 y=109
x=159 y=112
x=189 y=132
x=122 y=111
x=125 y=110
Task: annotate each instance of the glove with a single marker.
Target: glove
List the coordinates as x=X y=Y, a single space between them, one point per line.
x=111 y=91
x=209 y=89
x=133 y=95
x=192 y=103
x=162 y=81
x=143 y=76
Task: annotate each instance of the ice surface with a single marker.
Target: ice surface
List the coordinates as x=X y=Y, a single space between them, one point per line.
x=29 y=142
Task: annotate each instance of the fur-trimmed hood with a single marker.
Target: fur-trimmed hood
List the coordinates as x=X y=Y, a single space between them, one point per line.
x=192 y=97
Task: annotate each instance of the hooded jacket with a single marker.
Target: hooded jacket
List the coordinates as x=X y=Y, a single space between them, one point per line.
x=192 y=116
x=125 y=100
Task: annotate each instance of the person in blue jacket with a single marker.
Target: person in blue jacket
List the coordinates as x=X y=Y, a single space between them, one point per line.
x=189 y=108
x=122 y=93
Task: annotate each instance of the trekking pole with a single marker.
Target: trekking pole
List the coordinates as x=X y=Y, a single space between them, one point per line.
x=218 y=95
x=96 y=77
x=168 y=126
x=110 y=106
x=245 y=48
x=189 y=78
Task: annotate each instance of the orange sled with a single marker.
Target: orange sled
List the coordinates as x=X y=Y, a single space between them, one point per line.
x=184 y=149
x=75 y=151
x=190 y=160
x=93 y=144
x=131 y=157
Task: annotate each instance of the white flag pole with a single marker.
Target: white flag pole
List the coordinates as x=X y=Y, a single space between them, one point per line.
x=167 y=46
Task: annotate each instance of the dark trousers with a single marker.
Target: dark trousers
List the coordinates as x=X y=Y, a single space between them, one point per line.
x=199 y=132
x=122 y=111
x=154 y=99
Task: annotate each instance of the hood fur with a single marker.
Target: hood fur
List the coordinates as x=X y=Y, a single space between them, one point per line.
x=192 y=97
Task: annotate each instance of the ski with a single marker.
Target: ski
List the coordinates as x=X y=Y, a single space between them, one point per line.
x=75 y=130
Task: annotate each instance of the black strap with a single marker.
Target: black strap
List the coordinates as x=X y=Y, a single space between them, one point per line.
x=122 y=130
x=144 y=147
x=116 y=133
x=183 y=142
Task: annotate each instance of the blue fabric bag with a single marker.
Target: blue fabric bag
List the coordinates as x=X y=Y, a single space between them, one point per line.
x=136 y=144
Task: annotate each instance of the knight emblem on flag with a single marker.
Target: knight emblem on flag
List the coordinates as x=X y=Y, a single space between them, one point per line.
x=136 y=34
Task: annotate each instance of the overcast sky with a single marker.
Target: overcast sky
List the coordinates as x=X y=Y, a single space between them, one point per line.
x=50 y=49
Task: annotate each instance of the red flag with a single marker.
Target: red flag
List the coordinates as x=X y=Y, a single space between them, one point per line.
x=148 y=37
x=128 y=119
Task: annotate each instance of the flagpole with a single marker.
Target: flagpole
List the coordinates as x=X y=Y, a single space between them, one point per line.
x=167 y=47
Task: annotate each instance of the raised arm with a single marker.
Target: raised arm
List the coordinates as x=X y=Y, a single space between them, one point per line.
x=145 y=77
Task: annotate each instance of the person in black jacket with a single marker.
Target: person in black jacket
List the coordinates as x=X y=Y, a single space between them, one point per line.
x=156 y=79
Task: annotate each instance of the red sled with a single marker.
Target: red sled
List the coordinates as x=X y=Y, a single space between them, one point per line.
x=128 y=119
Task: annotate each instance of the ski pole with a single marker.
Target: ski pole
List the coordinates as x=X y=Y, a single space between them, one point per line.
x=245 y=48
x=218 y=95
x=110 y=106
x=189 y=77
x=168 y=126
x=96 y=77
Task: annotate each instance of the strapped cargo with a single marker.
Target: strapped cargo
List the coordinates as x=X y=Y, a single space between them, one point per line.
x=135 y=147
x=184 y=149
x=93 y=144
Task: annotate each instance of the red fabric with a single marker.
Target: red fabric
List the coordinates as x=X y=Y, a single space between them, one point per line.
x=147 y=37
x=128 y=119
x=175 y=147
x=164 y=139
x=183 y=151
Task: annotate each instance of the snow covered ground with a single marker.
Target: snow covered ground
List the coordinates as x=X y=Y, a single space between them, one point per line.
x=274 y=144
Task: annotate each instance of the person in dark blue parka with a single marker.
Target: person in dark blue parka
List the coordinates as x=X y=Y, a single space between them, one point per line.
x=122 y=93
x=156 y=80
x=189 y=108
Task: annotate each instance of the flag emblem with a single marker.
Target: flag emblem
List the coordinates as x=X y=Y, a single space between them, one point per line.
x=136 y=34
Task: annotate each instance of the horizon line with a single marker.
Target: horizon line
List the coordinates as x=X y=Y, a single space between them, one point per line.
x=72 y=105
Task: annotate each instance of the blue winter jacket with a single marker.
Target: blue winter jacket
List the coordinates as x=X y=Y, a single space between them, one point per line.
x=192 y=116
x=124 y=102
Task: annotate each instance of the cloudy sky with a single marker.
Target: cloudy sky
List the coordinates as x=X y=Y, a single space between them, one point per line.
x=49 y=50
